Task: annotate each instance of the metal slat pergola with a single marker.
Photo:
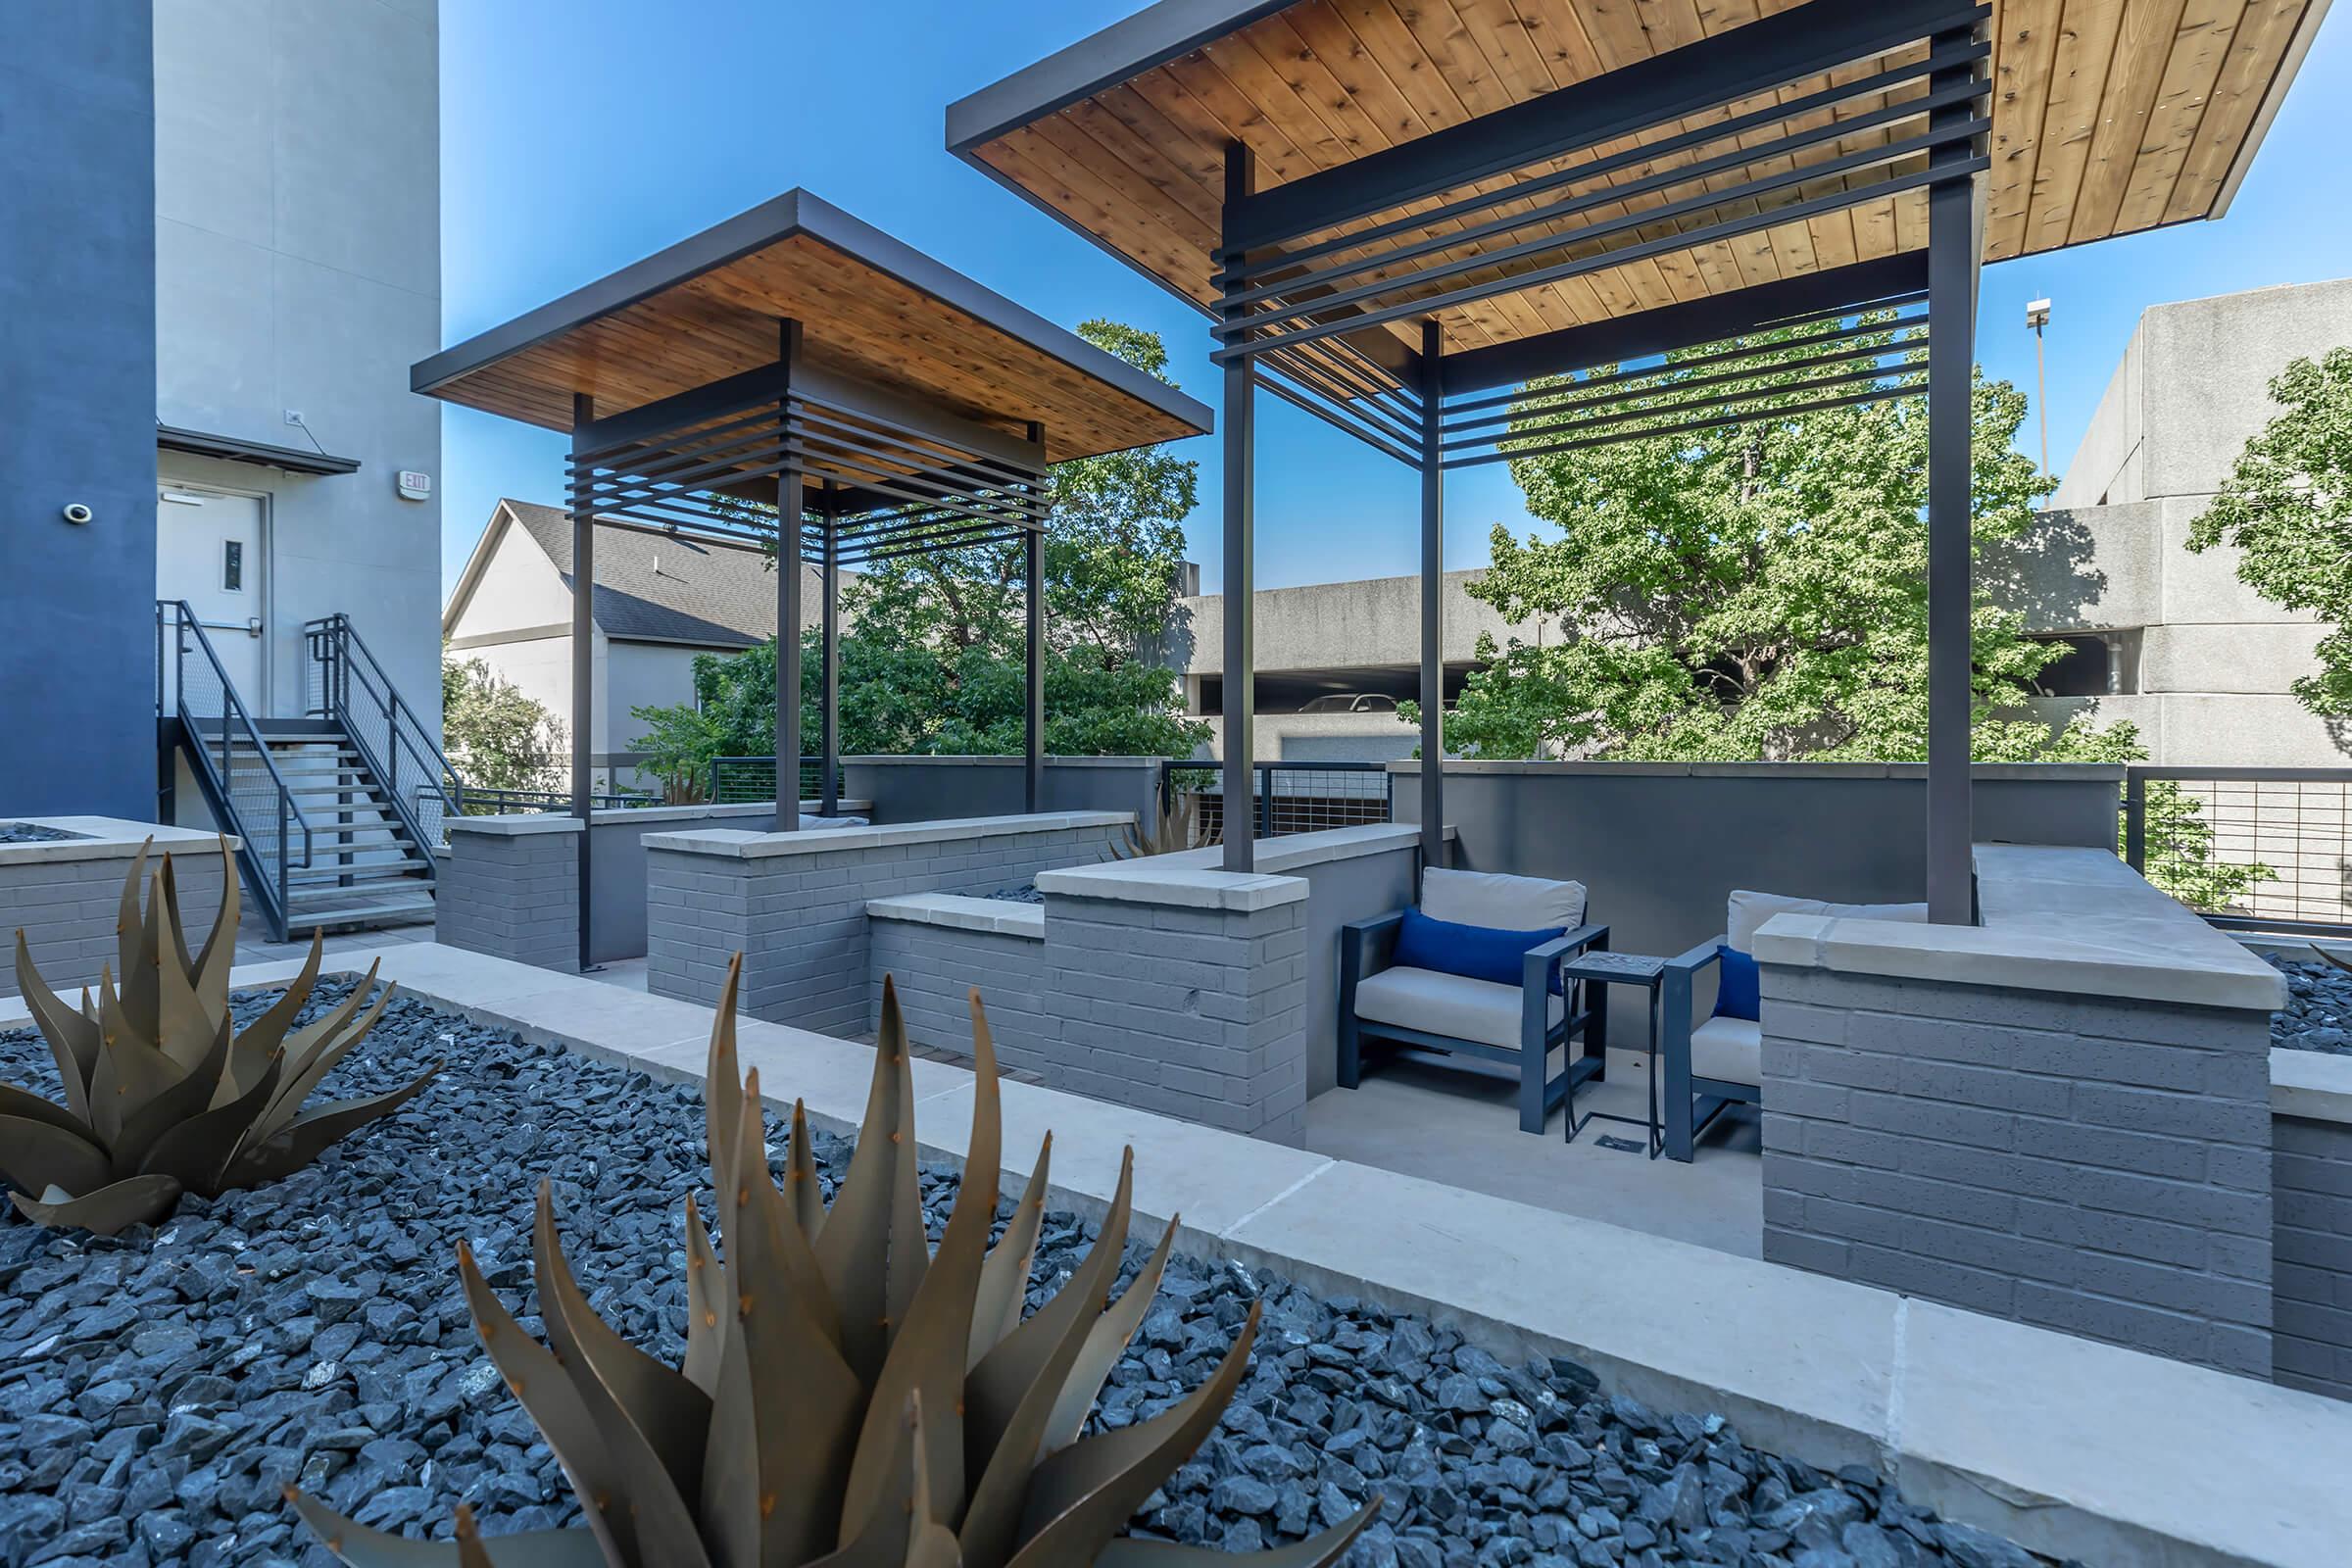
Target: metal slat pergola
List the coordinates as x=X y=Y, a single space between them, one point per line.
x=1526 y=268
x=794 y=364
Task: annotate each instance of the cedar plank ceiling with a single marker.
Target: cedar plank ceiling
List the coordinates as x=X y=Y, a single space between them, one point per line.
x=2108 y=116
x=704 y=323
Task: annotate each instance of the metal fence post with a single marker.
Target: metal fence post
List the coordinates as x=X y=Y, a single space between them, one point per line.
x=1263 y=779
x=2136 y=820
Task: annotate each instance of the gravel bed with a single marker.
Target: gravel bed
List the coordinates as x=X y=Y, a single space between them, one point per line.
x=2318 y=1015
x=157 y=1390
x=34 y=833
x=1026 y=893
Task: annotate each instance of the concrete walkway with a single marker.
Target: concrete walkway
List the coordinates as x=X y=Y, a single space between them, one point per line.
x=2071 y=1448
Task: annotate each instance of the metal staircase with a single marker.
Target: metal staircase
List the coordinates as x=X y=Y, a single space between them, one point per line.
x=339 y=812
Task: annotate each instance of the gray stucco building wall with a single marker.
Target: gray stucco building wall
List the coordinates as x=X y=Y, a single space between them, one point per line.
x=77 y=405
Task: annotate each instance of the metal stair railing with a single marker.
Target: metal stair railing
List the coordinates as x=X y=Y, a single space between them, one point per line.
x=348 y=684
x=259 y=807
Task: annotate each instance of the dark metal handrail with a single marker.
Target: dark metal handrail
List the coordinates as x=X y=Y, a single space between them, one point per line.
x=234 y=723
x=2134 y=811
x=343 y=660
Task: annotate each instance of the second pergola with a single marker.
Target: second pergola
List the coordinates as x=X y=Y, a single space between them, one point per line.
x=793 y=363
x=1465 y=232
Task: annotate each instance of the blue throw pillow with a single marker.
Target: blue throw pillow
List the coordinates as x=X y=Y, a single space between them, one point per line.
x=1739 y=990
x=1474 y=952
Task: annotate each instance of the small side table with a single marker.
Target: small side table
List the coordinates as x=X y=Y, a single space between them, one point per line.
x=1598 y=967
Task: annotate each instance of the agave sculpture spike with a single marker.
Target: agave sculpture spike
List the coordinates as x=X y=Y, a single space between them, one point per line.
x=849 y=1397
x=163 y=1096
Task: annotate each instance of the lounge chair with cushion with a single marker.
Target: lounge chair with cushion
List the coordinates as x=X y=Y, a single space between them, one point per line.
x=1720 y=1061
x=1474 y=969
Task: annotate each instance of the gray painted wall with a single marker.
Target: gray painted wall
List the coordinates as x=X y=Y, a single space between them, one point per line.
x=77 y=407
x=297 y=253
x=1660 y=846
x=933 y=789
x=616 y=868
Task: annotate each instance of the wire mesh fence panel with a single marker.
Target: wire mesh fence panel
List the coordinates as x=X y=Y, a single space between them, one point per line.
x=1285 y=798
x=2267 y=845
x=752 y=780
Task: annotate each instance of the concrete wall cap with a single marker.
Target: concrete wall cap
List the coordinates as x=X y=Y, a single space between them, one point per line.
x=2073 y=920
x=707 y=812
x=2311 y=1084
x=1138 y=882
x=734 y=844
x=515 y=825
x=1295 y=852
x=106 y=838
x=963 y=912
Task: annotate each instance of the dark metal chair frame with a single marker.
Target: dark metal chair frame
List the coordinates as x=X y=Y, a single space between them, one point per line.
x=1693 y=1103
x=1584 y=1014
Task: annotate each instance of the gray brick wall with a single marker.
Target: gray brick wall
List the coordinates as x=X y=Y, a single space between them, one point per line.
x=68 y=910
x=2311 y=1168
x=799 y=919
x=513 y=897
x=1196 y=1013
x=935 y=968
x=2088 y=1164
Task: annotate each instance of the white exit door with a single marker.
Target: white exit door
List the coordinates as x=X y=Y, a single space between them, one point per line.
x=208 y=550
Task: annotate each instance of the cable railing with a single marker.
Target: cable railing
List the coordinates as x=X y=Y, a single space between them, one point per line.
x=751 y=780
x=2248 y=848
x=483 y=799
x=1285 y=797
x=231 y=757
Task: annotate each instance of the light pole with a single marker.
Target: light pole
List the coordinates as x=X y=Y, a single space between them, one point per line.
x=2037 y=316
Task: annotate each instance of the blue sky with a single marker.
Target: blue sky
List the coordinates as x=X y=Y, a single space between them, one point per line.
x=578 y=135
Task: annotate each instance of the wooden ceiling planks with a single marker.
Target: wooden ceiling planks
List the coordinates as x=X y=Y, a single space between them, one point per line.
x=857 y=319
x=2108 y=116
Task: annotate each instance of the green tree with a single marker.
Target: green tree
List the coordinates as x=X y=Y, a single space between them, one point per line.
x=937 y=659
x=496 y=737
x=1758 y=592
x=2288 y=507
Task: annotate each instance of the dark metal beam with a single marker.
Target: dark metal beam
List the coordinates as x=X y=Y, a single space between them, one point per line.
x=790 y=486
x=829 y=670
x=1951 y=340
x=583 y=675
x=1241 y=457
x=1433 y=599
x=1033 y=695
x=1763 y=55
x=1710 y=319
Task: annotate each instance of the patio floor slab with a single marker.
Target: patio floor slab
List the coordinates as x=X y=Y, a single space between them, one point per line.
x=2067 y=1447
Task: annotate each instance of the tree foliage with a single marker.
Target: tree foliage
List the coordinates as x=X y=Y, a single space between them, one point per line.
x=497 y=737
x=936 y=658
x=2287 y=507
x=1758 y=592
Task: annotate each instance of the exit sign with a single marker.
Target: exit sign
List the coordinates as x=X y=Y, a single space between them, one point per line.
x=413 y=485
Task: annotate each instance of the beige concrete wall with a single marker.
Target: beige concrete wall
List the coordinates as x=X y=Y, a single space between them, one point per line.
x=1369 y=623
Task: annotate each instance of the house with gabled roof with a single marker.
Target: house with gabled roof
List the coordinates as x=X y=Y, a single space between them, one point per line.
x=661 y=600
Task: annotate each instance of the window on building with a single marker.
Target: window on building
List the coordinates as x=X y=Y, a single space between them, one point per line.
x=232 y=566
x=2081 y=670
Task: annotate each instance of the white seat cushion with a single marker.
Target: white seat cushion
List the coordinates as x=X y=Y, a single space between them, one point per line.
x=1729 y=1051
x=1449 y=1004
x=1748 y=910
x=1501 y=902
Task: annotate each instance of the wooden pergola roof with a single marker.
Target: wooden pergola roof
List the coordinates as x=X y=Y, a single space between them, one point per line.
x=871 y=310
x=2108 y=116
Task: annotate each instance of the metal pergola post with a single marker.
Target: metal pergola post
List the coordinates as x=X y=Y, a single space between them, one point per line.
x=1033 y=706
x=1952 y=341
x=1433 y=582
x=1241 y=455
x=583 y=663
x=828 y=683
x=791 y=484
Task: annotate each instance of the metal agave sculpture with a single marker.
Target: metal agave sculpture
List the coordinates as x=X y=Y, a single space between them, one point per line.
x=1178 y=822
x=163 y=1096
x=849 y=1397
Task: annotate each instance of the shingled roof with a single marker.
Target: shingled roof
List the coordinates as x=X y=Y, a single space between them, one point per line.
x=653 y=589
